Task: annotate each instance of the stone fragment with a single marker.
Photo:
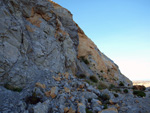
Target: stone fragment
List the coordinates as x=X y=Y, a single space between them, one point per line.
x=66 y=75
x=111 y=102
x=67 y=90
x=53 y=92
x=41 y=107
x=81 y=108
x=81 y=86
x=71 y=110
x=57 y=78
x=66 y=110
x=117 y=106
x=48 y=93
x=109 y=110
x=38 y=84
x=136 y=101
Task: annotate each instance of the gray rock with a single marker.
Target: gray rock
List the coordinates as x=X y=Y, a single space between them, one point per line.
x=42 y=107
x=81 y=108
x=89 y=95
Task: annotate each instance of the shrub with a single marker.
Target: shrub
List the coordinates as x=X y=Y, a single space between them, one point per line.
x=88 y=111
x=82 y=76
x=101 y=71
x=93 y=79
x=125 y=90
x=139 y=93
x=84 y=60
x=102 y=86
x=116 y=95
x=88 y=81
x=139 y=87
x=105 y=106
x=121 y=83
x=111 y=86
x=105 y=97
x=10 y=87
x=117 y=90
x=33 y=99
x=89 y=100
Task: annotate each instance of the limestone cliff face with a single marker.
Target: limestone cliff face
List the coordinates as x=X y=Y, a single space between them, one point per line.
x=37 y=37
x=100 y=64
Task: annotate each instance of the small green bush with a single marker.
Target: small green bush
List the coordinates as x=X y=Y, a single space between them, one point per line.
x=105 y=106
x=89 y=100
x=10 y=87
x=93 y=79
x=88 y=81
x=139 y=93
x=117 y=90
x=82 y=76
x=88 y=111
x=101 y=71
x=111 y=86
x=102 y=86
x=116 y=95
x=121 y=83
x=105 y=97
x=34 y=99
x=125 y=90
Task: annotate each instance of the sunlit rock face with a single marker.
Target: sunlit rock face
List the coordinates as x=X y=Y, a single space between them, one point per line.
x=39 y=36
x=99 y=63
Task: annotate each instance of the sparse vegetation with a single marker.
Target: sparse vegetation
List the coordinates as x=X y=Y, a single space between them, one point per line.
x=117 y=90
x=116 y=95
x=139 y=93
x=105 y=97
x=89 y=100
x=82 y=58
x=33 y=99
x=88 y=111
x=125 y=90
x=93 y=79
x=108 y=70
x=88 y=81
x=82 y=76
x=10 y=87
x=121 y=83
x=111 y=86
x=102 y=86
x=105 y=106
x=139 y=87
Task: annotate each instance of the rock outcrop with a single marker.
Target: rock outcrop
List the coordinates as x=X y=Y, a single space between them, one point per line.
x=48 y=64
x=41 y=35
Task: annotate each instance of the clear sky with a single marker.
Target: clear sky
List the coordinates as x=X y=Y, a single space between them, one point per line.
x=120 y=29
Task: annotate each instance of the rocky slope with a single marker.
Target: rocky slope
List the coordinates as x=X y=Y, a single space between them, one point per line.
x=43 y=55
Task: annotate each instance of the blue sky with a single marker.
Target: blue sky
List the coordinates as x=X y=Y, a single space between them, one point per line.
x=120 y=29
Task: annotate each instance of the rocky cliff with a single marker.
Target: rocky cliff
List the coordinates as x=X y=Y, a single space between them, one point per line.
x=41 y=35
x=43 y=53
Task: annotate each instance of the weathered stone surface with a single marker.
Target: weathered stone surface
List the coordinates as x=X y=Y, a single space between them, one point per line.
x=109 y=110
x=42 y=107
x=40 y=85
x=54 y=91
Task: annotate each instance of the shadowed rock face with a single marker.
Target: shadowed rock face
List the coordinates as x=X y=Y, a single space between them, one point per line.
x=40 y=35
